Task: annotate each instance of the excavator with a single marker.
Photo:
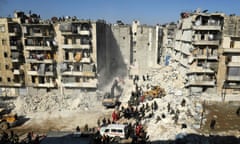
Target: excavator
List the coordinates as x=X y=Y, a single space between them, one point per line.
x=7 y=120
x=111 y=99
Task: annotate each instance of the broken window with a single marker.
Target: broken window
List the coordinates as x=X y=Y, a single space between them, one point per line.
x=73 y=40
x=33 y=79
x=6 y=67
x=4 y=42
x=36 y=30
x=41 y=80
x=5 y=54
x=2 y=28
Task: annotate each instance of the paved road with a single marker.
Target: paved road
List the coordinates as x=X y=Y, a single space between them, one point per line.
x=64 y=138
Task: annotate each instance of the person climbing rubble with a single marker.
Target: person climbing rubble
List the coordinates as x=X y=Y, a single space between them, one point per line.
x=115 y=116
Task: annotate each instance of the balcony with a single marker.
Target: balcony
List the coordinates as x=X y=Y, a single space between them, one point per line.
x=36 y=73
x=203 y=57
x=39 y=61
x=78 y=73
x=200 y=71
x=201 y=83
x=76 y=46
x=170 y=45
x=233 y=64
x=231 y=51
x=17 y=72
x=233 y=78
x=14 y=34
x=92 y=84
x=207 y=27
x=83 y=60
x=15 y=60
x=37 y=35
x=206 y=42
x=84 y=32
x=70 y=33
x=19 y=84
x=40 y=48
x=184 y=62
x=13 y=47
x=44 y=85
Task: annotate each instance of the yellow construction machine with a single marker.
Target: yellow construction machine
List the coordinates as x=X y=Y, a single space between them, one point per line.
x=154 y=92
x=7 y=120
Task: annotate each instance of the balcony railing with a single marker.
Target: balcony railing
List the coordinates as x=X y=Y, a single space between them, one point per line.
x=233 y=64
x=92 y=84
x=209 y=83
x=36 y=73
x=76 y=46
x=231 y=51
x=233 y=78
x=29 y=60
x=43 y=85
x=79 y=73
x=207 y=27
x=206 y=42
x=40 y=48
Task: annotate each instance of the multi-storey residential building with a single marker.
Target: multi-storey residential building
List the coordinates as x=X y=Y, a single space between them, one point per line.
x=77 y=44
x=119 y=48
x=167 y=43
x=145 y=47
x=230 y=59
x=39 y=51
x=197 y=42
x=11 y=53
x=207 y=29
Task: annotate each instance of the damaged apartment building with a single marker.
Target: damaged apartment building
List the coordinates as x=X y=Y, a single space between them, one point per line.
x=67 y=53
x=70 y=53
x=229 y=80
x=77 y=54
x=197 y=44
x=11 y=55
x=47 y=54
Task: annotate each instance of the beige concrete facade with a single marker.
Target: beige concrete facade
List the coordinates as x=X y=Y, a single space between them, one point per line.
x=73 y=53
x=230 y=66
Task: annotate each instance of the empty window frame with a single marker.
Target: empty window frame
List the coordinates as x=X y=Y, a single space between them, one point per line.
x=4 y=42
x=2 y=28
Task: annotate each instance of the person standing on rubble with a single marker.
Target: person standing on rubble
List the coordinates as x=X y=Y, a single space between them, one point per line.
x=138 y=129
x=114 y=116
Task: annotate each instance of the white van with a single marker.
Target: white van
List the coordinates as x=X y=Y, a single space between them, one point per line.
x=115 y=130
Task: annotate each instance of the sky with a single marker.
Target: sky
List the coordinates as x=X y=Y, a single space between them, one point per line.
x=149 y=12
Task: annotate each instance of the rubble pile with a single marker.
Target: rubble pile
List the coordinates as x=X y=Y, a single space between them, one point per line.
x=53 y=101
x=177 y=114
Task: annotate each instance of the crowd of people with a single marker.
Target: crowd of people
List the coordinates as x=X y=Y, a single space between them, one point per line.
x=13 y=138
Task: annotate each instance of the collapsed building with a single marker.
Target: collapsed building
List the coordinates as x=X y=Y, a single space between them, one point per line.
x=197 y=45
x=229 y=60
x=69 y=53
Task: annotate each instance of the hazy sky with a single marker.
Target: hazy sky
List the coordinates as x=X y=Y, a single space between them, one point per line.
x=146 y=11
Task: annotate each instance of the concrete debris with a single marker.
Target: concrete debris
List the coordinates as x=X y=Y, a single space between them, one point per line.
x=53 y=101
x=168 y=117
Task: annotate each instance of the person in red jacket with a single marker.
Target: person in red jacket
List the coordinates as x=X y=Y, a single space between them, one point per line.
x=138 y=129
x=114 y=116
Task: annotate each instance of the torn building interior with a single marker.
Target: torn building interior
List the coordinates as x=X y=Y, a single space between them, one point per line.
x=66 y=53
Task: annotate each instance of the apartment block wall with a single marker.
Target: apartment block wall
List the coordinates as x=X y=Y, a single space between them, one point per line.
x=167 y=42
x=145 y=47
x=230 y=54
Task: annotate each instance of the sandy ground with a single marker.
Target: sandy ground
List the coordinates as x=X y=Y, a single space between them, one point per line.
x=66 y=120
